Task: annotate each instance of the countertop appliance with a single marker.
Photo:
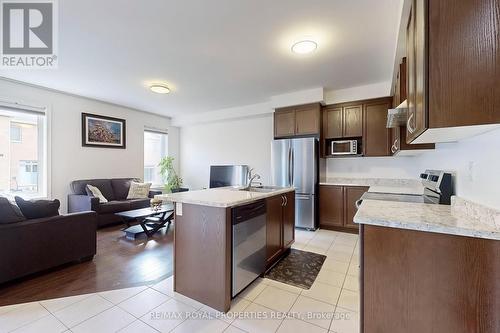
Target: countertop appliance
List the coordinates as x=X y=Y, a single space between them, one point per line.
x=344 y=147
x=438 y=189
x=249 y=244
x=228 y=175
x=294 y=162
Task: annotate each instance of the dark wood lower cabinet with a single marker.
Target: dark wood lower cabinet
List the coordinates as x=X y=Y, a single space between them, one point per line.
x=337 y=206
x=274 y=226
x=414 y=282
x=351 y=195
x=289 y=220
x=280 y=227
x=331 y=206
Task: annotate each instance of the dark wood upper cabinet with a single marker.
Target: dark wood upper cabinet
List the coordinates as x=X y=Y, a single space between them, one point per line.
x=351 y=195
x=284 y=123
x=302 y=120
x=402 y=79
x=402 y=148
x=343 y=121
x=332 y=121
x=399 y=145
x=395 y=139
x=331 y=206
x=274 y=240
x=308 y=119
x=289 y=220
x=353 y=121
x=417 y=71
x=376 y=135
x=453 y=62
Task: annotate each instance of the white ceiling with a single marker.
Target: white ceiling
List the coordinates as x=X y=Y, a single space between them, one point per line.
x=216 y=54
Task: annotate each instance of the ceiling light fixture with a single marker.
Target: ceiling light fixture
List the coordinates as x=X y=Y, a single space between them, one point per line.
x=159 y=88
x=304 y=46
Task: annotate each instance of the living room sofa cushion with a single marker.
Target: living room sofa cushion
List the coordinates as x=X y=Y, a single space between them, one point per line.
x=104 y=185
x=93 y=191
x=37 y=209
x=112 y=207
x=138 y=190
x=121 y=187
x=139 y=203
x=10 y=213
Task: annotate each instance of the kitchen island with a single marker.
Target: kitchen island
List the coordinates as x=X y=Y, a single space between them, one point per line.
x=203 y=247
x=429 y=268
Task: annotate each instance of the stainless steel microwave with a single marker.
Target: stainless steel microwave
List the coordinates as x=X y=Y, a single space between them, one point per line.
x=344 y=147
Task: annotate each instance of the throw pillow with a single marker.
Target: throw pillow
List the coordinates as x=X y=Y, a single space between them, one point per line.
x=138 y=190
x=95 y=192
x=37 y=209
x=9 y=213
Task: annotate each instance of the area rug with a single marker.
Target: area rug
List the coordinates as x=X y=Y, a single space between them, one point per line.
x=299 y=269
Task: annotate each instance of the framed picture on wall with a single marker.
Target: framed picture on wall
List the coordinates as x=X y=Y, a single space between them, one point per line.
x=103 y=132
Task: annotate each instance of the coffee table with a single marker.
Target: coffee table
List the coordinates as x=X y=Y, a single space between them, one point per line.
x=150 y=221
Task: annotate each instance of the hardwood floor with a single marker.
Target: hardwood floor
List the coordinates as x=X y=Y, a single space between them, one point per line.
x=119 y=263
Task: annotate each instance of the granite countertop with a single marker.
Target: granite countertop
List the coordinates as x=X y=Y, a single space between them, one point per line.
x=221 y=197
x=462 y=218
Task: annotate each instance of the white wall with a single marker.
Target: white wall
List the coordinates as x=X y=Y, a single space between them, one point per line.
x=374 y=90
x=68 y=159
x=237 y=141
x=475 y=161
x=373 y=167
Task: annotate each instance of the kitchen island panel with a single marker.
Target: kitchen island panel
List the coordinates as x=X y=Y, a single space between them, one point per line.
x=202 y=254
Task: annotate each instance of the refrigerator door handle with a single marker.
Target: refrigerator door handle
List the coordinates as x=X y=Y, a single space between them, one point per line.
x=293 y=168
x=290 y=166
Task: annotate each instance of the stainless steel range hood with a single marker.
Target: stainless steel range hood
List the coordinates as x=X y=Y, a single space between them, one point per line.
x=397 y=117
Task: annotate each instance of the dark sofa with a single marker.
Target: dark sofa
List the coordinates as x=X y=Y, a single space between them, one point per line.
x=36 y=245
x=114 y=190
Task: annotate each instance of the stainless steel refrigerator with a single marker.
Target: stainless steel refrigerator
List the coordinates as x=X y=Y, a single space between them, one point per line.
x=294 y=162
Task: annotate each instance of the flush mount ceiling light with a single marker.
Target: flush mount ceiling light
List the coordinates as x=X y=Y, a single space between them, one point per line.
x=304 y=46
x=159 y=88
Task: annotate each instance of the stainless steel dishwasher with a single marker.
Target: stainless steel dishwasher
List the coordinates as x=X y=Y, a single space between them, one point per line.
x=249 y=244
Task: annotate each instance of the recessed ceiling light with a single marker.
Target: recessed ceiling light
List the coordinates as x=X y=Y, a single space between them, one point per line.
x=159 y=88
x=304 y=47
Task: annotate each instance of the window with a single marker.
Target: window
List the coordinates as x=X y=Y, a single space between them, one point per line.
x=155 y=148
x=16 y=133
x=23 y=145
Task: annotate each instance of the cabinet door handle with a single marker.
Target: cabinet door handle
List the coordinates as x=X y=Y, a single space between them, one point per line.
x=408 y=123
x=286 y=200
x=396 y=144
x=282 y=201
x=393 y=149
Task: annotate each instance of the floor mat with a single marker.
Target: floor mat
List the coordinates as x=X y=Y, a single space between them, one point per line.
x=299 y=269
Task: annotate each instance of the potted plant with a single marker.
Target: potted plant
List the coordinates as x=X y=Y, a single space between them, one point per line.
x=173 y=181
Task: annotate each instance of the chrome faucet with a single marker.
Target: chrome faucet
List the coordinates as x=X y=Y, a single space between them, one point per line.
x=251 y=178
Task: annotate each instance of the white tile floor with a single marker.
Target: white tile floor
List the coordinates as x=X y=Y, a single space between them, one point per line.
x=331 y=305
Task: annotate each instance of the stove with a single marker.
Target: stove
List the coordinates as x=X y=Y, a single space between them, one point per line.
x=438 y=189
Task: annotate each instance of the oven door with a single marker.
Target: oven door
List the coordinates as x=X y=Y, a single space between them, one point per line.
x=344 y=147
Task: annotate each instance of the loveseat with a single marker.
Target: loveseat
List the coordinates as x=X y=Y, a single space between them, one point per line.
x=34 y=245
x=115 y=190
